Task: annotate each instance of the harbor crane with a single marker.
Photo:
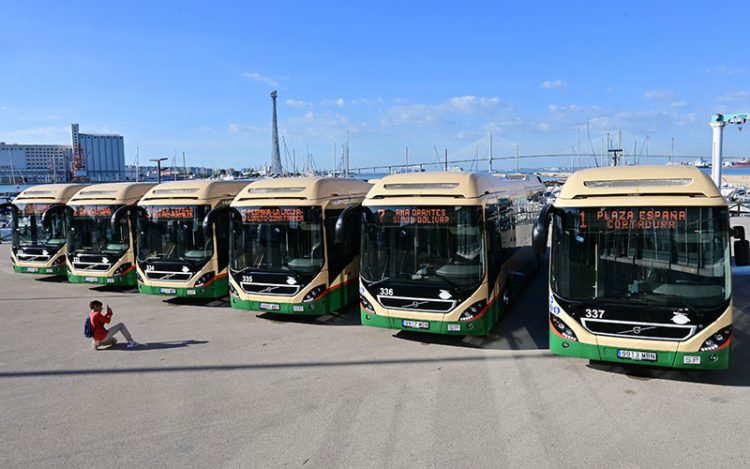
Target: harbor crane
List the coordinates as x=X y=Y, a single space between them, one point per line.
x=718 y=122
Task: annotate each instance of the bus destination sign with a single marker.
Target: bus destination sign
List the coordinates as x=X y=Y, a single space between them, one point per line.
x=632 y=218
x=273 y=215
x=93 y=211
x=414 y=216
x=170 y=212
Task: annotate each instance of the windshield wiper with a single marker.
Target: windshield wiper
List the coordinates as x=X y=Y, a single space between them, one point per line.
x=285 y=263
x=442 y=277
x=372 y=284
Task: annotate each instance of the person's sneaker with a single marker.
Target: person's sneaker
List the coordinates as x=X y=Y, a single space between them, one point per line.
x=133 y=344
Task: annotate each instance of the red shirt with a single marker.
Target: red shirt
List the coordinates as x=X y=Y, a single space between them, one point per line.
x=98 y=320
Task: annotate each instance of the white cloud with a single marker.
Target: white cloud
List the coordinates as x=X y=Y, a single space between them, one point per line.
x=296 y=103
x=737 y=96
x=49 y=135
x=426 y=114
x=553 y=84
x=246 y=129
x=4 y=108
x=340 y=102
x=677 y=104
x=658 y=95
x=725 y=71
x=367 y=101
x=261 y=78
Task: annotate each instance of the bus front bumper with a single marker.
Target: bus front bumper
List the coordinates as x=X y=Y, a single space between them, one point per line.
x=216 y=289
x=311 y=308
x=478 y=327
x=55 y=270
x=713 y=360
x=127 y=279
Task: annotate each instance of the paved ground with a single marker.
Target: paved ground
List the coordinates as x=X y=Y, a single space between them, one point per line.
x=216 y=387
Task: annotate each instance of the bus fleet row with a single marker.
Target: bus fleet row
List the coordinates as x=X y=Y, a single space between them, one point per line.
x=639 y=267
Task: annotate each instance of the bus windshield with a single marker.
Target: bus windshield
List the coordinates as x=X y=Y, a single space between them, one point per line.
x=174 y=233
x=277 y=239
x=91 y=231
x=428 y=245
x=29 y=230
x=674 y=256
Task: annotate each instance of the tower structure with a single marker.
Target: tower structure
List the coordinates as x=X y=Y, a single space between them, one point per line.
x=276 y=168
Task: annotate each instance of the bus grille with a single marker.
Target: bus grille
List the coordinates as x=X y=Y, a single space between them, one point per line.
x=431 y=305
x=639 y=330
x=280 y=289
x=90 y=262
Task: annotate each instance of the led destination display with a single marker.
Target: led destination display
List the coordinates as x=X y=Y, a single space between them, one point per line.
x=415 y=216
x=273 y=215
x=632 y=219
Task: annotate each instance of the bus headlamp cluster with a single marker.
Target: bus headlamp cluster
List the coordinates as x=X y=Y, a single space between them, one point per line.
x=312 y=294
x=717 y=340
x=138 y=276
x=122 y=268
x=472 y=311
x=366 y=305
x=232 y=290
x=59 y=261
x=563 y=329
x=204 y=279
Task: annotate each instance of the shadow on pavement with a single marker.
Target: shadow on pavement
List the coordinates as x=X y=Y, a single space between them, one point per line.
x=145 y=347
x=202 y=302
x=346 y=316
x=115 y=289
x=52 y=279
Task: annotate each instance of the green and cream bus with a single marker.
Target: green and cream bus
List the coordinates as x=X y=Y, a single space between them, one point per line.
x=38 y=215
x=294 y=245
x=445 y=252
x=101 y=233
x=640 y=267
x=183 y=238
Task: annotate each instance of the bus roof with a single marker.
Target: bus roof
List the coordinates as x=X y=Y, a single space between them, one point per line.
x=200 y=189
x=629 y=181
x=303 y=188
x=448 y=184
x=55 y=193
x=122 y=192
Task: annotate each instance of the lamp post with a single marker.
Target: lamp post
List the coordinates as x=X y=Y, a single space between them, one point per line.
x=158 y=166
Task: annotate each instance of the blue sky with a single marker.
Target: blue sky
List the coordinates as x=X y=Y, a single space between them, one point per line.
x=196 y=77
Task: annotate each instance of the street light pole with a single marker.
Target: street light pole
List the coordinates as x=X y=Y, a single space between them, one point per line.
x=158 y=166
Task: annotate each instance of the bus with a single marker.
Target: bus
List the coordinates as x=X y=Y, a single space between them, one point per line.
x=183 y=238
x=294 y=245
x=640 y=267
x=38 y=215
x=445 y=252
x=101 y=234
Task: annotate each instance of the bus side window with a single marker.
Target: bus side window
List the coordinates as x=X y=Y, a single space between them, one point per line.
x=494 y=242
x=336 y=254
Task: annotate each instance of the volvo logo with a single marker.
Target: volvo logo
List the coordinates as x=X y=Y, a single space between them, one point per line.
x=414 y=304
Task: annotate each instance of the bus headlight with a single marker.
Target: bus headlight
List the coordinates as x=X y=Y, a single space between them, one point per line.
x=138 y=276
x=563 y=329
x=312 y=294
x=59 y=261
x=366 y=305
x=717 y=340
x=473 y=311
x=232 y=290
x=204 y=279
x=122 y=268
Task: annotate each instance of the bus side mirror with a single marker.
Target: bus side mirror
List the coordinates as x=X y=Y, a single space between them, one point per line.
x=541 y=229
x=342 y=223
x=741 y=247
x=47 y=215
x=210 y=219
x=117 y=216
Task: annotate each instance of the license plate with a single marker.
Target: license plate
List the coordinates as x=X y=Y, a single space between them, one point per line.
x=32 y=269
x=90 y=279
x=269 y=306
x=415 y=324
x=168 y=291
x=636 y=355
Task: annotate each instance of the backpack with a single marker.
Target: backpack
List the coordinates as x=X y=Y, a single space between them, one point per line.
x=88 y=331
